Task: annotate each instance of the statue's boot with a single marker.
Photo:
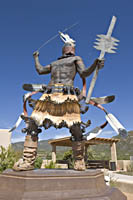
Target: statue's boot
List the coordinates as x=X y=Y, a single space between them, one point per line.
x=29 y=154
x=78 y=154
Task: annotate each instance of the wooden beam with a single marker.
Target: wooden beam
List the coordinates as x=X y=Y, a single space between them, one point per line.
x=114 y=153
x=67 y=142
x=54 y=153
x=86 y=148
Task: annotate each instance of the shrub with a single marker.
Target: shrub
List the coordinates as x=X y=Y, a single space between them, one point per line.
x=51 y=165
x=130 y=168
x=8 y=157
x=38 y=162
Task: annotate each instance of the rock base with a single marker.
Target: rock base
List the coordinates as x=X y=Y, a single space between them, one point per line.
x=56 y=184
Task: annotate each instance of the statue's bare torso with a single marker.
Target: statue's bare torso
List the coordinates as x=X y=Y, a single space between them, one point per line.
x=63 y=70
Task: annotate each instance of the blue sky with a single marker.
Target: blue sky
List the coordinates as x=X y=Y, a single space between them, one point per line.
x=25 y=25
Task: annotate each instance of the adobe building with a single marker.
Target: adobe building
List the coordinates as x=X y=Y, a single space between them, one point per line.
x=5 y=137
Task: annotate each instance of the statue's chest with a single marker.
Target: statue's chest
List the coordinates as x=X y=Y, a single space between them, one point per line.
x=66 y=64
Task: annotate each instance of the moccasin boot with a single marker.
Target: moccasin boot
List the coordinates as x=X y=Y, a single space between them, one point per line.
x=29 y=154
x=78 y=154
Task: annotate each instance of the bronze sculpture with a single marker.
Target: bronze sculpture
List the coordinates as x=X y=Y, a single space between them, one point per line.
x=58 y=106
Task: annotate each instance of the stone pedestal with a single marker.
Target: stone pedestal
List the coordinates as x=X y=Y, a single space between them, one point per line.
x=56 y=185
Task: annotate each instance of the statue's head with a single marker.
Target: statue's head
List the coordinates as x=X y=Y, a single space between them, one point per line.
x=69 y=46
x=68 y=49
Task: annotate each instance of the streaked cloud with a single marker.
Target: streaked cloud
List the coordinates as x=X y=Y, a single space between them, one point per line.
x=18 y=139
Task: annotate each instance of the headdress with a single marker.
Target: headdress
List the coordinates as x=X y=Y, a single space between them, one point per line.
x=69 y=46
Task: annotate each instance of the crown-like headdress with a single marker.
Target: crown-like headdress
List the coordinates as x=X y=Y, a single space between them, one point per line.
x=66 y=39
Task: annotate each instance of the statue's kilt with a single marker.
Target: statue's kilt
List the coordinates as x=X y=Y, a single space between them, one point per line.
x=58 y=108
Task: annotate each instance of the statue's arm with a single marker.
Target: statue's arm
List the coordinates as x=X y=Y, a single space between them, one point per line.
x=39 y=68
x=84 y=72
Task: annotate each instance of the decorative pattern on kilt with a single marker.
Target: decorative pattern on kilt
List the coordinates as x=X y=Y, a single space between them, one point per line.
x=58 y=108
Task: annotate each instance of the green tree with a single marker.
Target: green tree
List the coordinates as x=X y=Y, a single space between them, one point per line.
x=68 y=156
x=48 y=156
x=90 y=154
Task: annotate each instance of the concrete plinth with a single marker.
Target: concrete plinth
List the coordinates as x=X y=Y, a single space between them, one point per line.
x=56 y=185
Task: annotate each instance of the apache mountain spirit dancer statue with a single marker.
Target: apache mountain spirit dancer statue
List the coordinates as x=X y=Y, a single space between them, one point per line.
x=59 y=105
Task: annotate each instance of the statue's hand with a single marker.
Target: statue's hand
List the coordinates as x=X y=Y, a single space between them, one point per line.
x=100 y=63
x=36 y=54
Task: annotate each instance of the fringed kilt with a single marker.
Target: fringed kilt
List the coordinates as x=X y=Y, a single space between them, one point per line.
x=61 y=110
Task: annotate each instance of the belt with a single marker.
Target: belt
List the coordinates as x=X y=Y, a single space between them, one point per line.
x=50 y=89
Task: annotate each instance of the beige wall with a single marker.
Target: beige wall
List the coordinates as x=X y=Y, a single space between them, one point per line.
x=123 y=164
x=5 y=137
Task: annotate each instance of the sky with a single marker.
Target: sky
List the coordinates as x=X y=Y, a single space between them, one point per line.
x=26 y=25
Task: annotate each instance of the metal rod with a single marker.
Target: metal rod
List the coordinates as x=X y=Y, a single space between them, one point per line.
x=55 y=36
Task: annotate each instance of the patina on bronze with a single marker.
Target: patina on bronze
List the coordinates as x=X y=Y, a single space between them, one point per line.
x=58 y=106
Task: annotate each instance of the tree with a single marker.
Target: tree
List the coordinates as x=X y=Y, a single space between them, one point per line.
x=68 y=156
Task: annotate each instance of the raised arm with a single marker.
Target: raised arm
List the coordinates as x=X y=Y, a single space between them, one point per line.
x=39 y=68
x=84 y=72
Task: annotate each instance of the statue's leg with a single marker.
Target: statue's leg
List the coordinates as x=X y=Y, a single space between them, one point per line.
x=30 y=148
x=78 y=147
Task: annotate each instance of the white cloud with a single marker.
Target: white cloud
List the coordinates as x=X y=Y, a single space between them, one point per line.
x=107 y=134
x=62 y=135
